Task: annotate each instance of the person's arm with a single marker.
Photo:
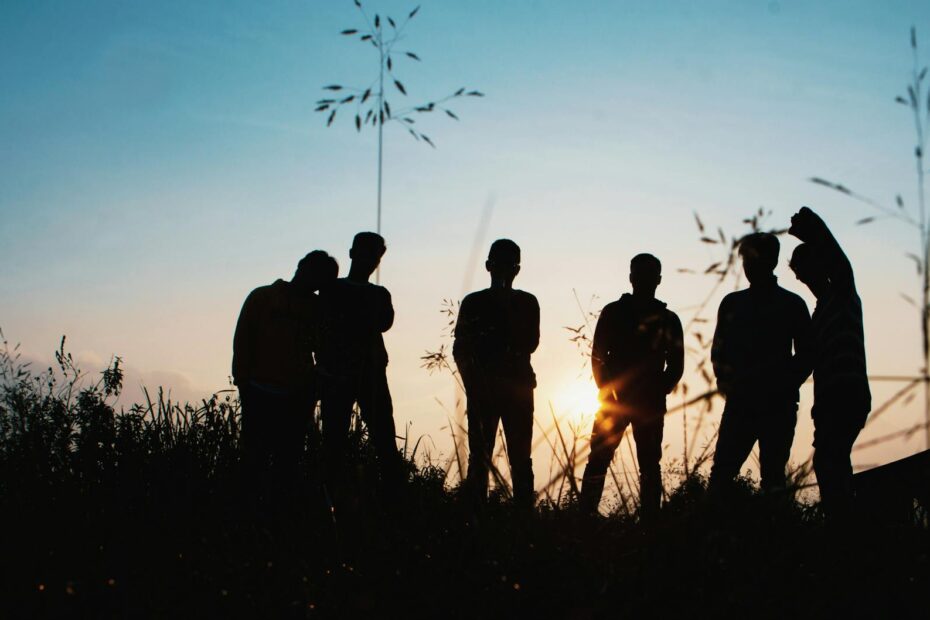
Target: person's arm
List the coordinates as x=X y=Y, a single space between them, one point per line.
x=801 y=361
x=810 y=228
x=674 y=353
x=386 y=315
x=719 y=351
x=463 y=348
x=599 y=350
x=243 y=341
x=527 y=328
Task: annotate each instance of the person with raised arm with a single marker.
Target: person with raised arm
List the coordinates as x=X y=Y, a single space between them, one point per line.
x=842 y=398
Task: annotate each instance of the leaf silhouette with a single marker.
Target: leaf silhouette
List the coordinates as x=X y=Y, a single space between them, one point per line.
x=900 y=201
x=349 y=31
x=389 y=65
x=708 y=240
x=414 y=134
x=366 y=37
x=865 y=220
x=333 y=87
x=901 y=100
x=459 y=92
x=347 y=99
x=452 y=115
x=358 y=122
x=412 y=55
x=331 y=118
x=366 y=95
x=413 y=12
x=357 y=3
x=475 y=93
x=400 y=87
x=325 y=106
x=391 y=21
x=377 y=21
x=387 y=110
x=908 y=299
x=917 y=262
x=697 y=220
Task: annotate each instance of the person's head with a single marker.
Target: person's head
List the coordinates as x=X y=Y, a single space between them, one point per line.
x=645 y=274
x=503 y=260
x=366 y=252
x=759 y=252
x=315 y=271
x=808 y=269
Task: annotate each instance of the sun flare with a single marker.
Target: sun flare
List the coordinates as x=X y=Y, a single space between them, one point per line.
x=578 y=399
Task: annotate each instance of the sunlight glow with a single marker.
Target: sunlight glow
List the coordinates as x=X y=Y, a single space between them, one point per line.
x=578 y=399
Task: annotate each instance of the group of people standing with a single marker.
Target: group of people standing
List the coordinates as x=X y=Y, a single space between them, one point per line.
x=319 y=337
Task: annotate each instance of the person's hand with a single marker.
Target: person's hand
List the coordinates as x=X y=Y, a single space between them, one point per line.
x=806 y=225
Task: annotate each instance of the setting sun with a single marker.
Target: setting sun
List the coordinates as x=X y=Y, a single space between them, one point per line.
x=578 y=399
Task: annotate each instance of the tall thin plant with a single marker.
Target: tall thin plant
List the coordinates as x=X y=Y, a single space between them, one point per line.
x=372 y=104
x=917 y=101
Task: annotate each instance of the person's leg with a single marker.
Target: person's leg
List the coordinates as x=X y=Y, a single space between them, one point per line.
x=775 y=438
x=647 y=432
x=336 y=400
x=835 y=432
x=377 y=409
x=256 y=451
x=483 y=417
x=735 y=438
x=517 y=419
x=606 y=435
x=290 y=431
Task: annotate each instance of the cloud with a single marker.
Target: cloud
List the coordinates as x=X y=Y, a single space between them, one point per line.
x=176 y=386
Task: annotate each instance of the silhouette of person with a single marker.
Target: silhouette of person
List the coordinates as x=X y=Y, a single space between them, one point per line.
x=273 y=367
x=353 y=362
x=842 y=399
x=496 y=332
x=757 y=370
x=637 y=358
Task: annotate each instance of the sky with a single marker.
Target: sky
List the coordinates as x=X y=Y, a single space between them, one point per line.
x=160 y=160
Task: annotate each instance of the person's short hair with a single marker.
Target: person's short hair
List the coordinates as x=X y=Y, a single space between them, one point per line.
x=317 y=261
x=504 y=251
x=646 y=263
x=803 y=256
x=761 y=245
x=369 y=242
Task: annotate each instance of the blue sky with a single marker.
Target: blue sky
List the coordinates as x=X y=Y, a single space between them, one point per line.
x=159 y=160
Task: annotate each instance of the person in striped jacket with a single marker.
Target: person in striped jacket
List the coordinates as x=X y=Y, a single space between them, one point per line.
x=842 y=400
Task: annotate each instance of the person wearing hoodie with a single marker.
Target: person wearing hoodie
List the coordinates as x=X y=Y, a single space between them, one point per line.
x=496 y=333
x=273 y=367
x=637 y=358
x=757 y=371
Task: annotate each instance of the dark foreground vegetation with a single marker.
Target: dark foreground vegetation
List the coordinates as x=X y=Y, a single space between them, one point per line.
x=146 y=513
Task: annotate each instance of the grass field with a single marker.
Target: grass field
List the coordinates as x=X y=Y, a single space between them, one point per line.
x=145 y=513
